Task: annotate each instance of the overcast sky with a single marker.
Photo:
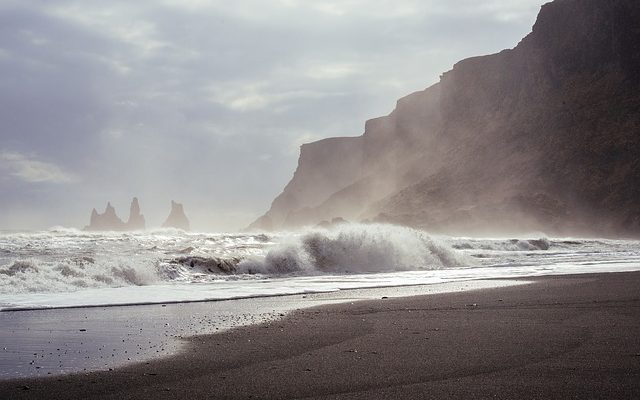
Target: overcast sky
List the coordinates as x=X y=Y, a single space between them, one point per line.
x=207 y=102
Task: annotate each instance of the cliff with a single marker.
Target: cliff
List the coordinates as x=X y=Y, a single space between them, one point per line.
x=109 y=220
x=177 y=218
x=324 y=167
x=544 y=136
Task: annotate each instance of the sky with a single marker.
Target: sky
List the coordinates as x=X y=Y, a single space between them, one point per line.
x=207 y=102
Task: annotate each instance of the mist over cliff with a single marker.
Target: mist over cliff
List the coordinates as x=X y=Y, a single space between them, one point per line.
x=544 y=136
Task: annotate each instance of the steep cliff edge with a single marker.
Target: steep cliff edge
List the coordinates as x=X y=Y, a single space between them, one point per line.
x=545 y=136
x=324 y=167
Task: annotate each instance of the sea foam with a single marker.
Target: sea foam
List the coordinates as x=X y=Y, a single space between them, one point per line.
x=153 y=264
x=62 y=260
x=356 y=248
x=66 y=275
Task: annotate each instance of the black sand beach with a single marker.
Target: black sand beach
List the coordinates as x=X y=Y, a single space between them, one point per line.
x=562 y=337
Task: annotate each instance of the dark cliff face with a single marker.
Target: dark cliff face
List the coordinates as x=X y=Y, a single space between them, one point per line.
x=545 y=136
x=324 y=167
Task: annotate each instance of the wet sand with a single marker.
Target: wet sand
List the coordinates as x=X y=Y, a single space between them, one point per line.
x=561 y=337
x=45 y=342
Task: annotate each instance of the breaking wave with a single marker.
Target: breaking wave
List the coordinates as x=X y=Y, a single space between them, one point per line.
x=356 y=248
x=38 y=276
x=64 y=260
x=502 y=245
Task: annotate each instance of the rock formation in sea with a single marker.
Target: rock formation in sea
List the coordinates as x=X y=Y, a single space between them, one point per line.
x=109 y=220
x=177 y=218
x=544 y=136
x=136 y=219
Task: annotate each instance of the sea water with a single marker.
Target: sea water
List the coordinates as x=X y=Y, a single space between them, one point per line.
x=70 y=268
x=160 y=271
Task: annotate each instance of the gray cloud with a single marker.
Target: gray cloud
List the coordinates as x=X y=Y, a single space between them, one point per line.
x=32 y=170
x=207 y=101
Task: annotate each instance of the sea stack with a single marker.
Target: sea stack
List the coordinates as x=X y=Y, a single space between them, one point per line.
x=177 y=218
x=136 y=219
x=107 y=221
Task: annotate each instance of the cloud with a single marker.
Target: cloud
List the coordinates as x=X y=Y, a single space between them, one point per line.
x=205 y=101
x=333 y=71
x=261 y=95
x=32 y=170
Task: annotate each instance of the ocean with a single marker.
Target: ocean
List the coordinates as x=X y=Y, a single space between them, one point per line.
x=59 y=288
x=71 y=268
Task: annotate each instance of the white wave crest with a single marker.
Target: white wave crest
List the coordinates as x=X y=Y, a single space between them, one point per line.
x=64 y=260
x=502 y=245
x=38 y=276
x=356 y=248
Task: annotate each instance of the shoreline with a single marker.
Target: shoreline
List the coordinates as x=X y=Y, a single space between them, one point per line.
x=562 y=336
x=65 y=340
x=258 y=296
